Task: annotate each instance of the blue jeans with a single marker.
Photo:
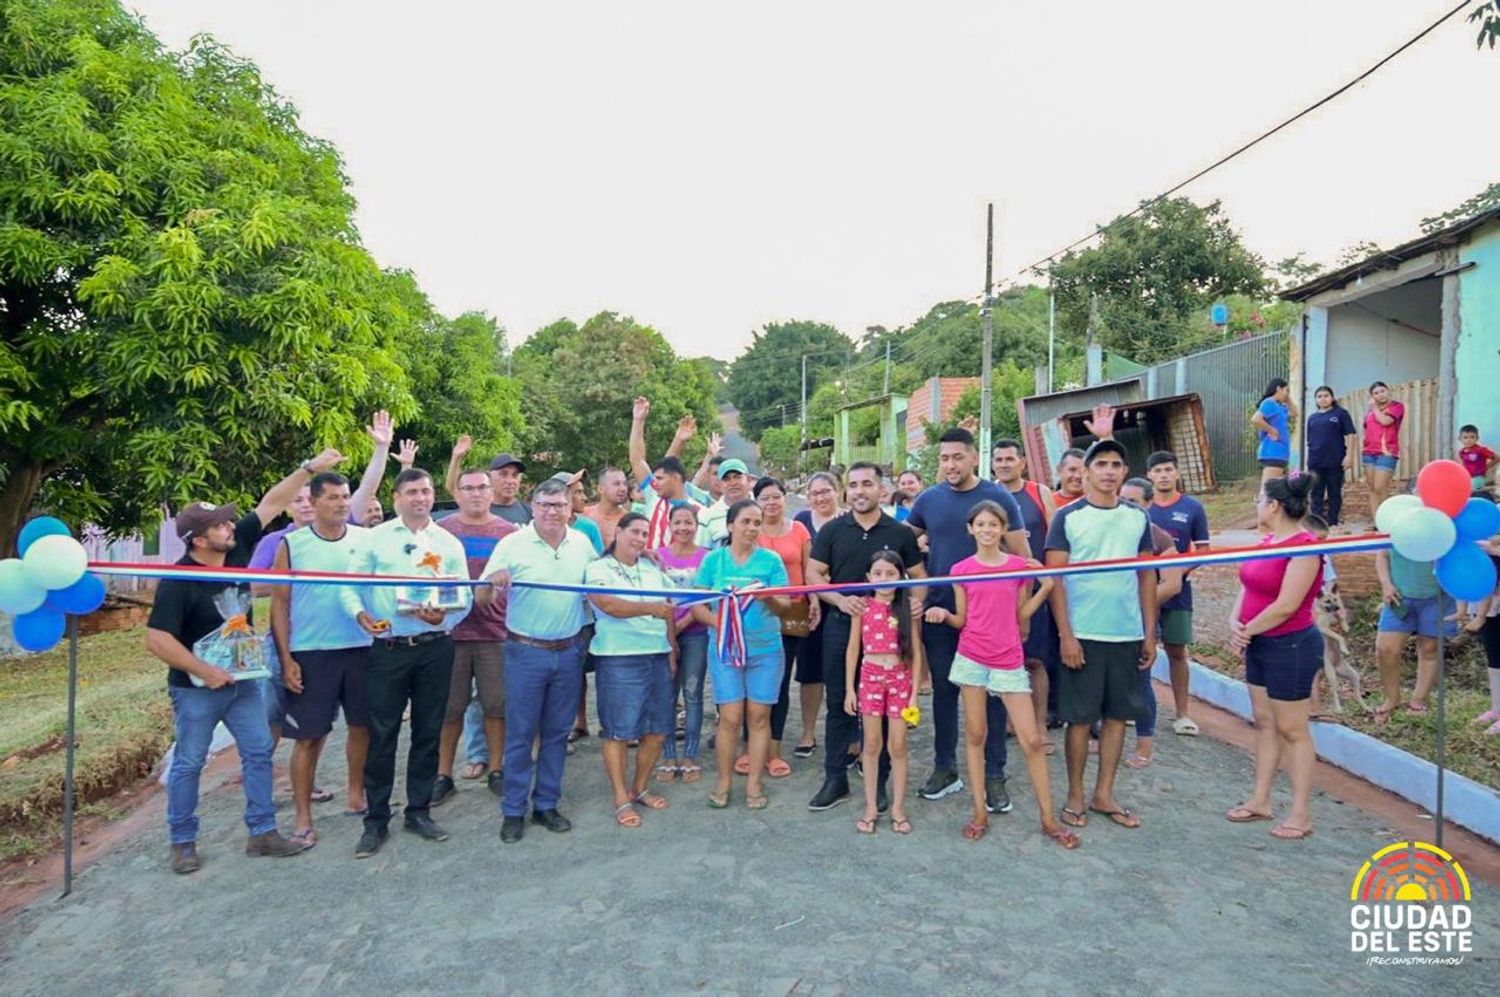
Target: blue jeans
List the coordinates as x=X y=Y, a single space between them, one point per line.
x=1146 y=726
x=541 y=700
x=692 y=665
x=242 y=708
x=274 y=691
x=476 y=748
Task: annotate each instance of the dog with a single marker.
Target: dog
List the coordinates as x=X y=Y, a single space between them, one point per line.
x=1332 y=620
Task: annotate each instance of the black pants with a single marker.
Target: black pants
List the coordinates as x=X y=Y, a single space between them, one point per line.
x=840 y=730
x=789 y=647
x=941 y=644
x=397 y=674
x=1327 y=482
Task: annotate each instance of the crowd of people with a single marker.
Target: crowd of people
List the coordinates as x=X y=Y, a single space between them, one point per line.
x=572 y=589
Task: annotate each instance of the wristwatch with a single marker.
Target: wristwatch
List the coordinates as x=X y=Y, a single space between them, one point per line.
x=306 y=465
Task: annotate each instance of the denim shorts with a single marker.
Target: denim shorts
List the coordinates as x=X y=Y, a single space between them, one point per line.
x=996 y=681
x=1421 y=617
x=1379 y=461
x=759 y=681
x=1285 y=665
x=634 y=695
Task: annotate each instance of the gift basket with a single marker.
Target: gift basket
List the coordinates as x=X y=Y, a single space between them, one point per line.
x=234 y=646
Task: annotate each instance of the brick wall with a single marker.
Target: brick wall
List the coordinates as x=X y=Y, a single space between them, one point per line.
x=919 y=406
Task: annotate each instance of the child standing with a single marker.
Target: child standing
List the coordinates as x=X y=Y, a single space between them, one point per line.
x=888 y=656
x=1476 y=458
x=991 y=661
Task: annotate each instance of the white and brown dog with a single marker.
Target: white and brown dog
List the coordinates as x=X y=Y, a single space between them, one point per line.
x=1333 y=622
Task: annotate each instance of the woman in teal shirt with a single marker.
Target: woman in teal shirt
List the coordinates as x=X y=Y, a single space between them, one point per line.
x=751 y=687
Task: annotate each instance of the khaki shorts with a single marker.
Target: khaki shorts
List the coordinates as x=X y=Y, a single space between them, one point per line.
x=481 y=663
x=997 y=681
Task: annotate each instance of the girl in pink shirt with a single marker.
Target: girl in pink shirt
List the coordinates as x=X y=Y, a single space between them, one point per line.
x=1382 y=447
x=1283 y=652
x=991 y=662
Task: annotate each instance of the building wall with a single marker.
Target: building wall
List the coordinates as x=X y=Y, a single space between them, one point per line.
x=1477 y=362
x=933 y=402
x=1364 y=345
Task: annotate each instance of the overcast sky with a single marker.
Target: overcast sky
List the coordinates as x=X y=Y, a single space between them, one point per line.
x=709 y=169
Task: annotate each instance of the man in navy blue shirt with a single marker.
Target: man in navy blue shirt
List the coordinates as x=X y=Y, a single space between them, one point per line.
x=1186 y=520
x=942 y=513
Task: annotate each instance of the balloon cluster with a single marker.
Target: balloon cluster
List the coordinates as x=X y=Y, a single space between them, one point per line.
x=49 y=580
x=1443 y=523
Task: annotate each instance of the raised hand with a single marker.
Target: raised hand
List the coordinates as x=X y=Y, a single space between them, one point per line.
x=406 y=456
x=462 y=446
x=687 y=427
x=381 y=428
x=715 y=444
x=640 y=408
x=1102 y=423
x=325 y=460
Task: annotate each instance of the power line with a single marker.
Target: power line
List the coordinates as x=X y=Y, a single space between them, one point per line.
x=1253 y=142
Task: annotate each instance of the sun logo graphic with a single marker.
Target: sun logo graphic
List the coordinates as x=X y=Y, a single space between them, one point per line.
x=1410 y=904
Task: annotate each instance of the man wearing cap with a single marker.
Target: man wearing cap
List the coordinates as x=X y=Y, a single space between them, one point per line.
x=577 y=505
x=411 y=657
x=204 y=695
x=734 y=477
x=505 y=478
x=543 y=656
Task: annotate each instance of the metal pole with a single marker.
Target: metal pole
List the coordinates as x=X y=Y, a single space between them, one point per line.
x=887 y=368
x=801 y=450
x=68 y=755
x=986 y=372
x=1442 y=728
x=1051 y=334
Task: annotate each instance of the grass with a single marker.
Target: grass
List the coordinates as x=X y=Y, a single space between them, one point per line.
x=1469 y=751
x=1232 y=506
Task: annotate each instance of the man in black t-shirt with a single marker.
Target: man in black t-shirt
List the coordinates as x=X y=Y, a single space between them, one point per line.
x=840 y=555
x=202 y=694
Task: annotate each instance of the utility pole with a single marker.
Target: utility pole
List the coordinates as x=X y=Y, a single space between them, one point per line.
x=1051 y=334
x=802 y=449
x=887 y=367
x=987 y=374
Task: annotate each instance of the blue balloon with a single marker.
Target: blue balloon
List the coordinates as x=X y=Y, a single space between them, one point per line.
x=41 y=526
x=1479 y=519
x=1466 y=572
x=83 y=596
x=39 y=629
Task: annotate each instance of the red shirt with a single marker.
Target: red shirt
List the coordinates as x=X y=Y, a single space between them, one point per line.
x=1380 y=439
x=879 y=631
x=1262 y=579
x=991 y=635
x=1476 y=459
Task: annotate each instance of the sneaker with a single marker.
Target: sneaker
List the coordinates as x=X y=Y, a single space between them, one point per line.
x=423 y=825
x=185 y=858
x=443 y=790
x=496 y=783
x=512 y=829
x=369 y=843
x=834 y=792
x=941 y=783
x=273 y=845
x=996 y=798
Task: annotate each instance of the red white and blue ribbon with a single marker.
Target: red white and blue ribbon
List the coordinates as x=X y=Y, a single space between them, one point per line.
x=731 y=628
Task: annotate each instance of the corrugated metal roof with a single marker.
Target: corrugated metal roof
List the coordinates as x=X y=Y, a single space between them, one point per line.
x=1044 y=408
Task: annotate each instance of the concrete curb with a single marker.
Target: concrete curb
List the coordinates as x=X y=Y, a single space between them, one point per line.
x=1465 y=802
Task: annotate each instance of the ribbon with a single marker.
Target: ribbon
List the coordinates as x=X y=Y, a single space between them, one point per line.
x=239 y=623
x=731 y=628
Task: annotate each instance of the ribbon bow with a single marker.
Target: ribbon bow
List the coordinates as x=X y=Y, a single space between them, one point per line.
x=237 y=624
x=432 y=560
x=731 y=639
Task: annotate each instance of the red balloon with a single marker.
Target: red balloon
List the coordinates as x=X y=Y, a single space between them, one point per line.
x=1444 y=485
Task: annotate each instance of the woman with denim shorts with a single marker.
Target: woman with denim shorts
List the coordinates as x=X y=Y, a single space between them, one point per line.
x=747 y=684
x=632 y=644
x=1283 y=652
x=1382 y=446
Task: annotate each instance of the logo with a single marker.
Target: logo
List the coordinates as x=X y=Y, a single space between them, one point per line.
x=1410 y=906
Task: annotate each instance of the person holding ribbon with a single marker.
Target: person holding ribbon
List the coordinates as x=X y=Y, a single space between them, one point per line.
x=681 y=560
x=823 y=490
x=635 y=661
x=746 y=658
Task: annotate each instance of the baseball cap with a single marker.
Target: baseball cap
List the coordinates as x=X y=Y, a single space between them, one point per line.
x=1103 y=446
x=730 y=466
x=568 y=478
x=195 y=519
x=507 y=460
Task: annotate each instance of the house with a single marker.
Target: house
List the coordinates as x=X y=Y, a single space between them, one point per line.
x=933 y=402
x=1423 y=317
x=871 y=430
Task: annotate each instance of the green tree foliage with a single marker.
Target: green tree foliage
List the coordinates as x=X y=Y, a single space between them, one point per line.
x=579 y=383
x=185 y=309
x=1486 y=200
x=1155 y=275
x=778 y=450
x=1487 y=16
x=768 y=375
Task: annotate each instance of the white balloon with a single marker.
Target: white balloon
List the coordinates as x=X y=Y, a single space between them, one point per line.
x=1393 y=509
x=55 y=562
x=1423 y=534
x=18 y=593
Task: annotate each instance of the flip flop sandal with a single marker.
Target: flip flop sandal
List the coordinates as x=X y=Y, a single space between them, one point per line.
x=577 y=734
x=1074 y=818
x=626 y=816
x=902 y=826
x=1138 y=761
x=307 y=837
x=1288 y=833
x=1066 y=838
x=865 y=825
x=691 y=772
x=806 y=750
x=355 y=813
x=652 y=801
x=757 y=802
x=1244 y=815
x=475 y=770
x=666 y=773
x=1185 y=726
x=320 y=795
x=777 y=768
x=1382 y=715
x=1120 y=818
x=1416 y=707
x=1487 y=717
x=742 y=765
x=974 y=830
x=719 y=801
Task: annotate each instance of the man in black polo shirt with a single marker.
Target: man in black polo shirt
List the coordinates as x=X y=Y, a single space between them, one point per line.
x=202 y=694
x=841 y=554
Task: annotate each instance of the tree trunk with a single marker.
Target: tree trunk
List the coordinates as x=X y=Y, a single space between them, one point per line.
x=16 y=495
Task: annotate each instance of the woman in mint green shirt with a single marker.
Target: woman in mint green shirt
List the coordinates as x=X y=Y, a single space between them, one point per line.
x=632 y=645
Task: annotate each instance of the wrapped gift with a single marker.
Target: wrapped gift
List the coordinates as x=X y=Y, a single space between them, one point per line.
x=234 y=646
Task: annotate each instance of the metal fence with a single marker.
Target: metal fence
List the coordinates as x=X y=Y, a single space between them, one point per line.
x=1229 y=380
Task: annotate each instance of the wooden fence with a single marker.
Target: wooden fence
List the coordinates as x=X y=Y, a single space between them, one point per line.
x=1419 y=428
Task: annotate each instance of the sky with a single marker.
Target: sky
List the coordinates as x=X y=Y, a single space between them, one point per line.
x=708 y=169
